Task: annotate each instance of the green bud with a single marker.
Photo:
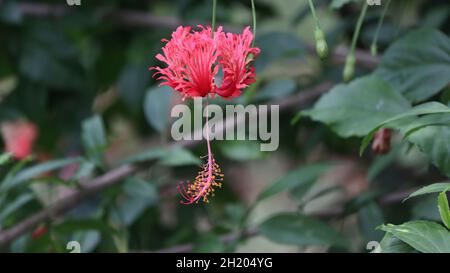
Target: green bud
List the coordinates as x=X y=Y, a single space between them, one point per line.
x=349 y=69
x=374 y=50
x=321 y=44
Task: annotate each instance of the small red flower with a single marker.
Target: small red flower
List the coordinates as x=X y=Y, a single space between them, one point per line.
x=193 y=59
x=382 y=141
x=19 y=137
x=39 y=232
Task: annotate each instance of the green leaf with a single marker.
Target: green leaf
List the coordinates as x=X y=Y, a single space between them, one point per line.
x=424 y=236
x=404 y=119
x=130 y=209
x=391 y=244
x=276 y=46
x=241 y=150
x=433 y=188
x=86 y=169
x=360 y=201
x=434 y=142
x=236 y=213
x=34 y=171
x=12 y=173
x=305 y=176
x=140 y=188
x=40 y=63
x=275 y=89
x=436 y=16
x=295 y=229
x=425 y=209
x=208 y=243
x=172 y=156
x=179 y=157
x=430 y=133
x=5 y=158
x=85 y=231
x=354 y=109
x=94 y=138
x=298 y=193
x=418 y=64
x=73 y=225
x=10 y=12
x=441 y=119
x=370 y=217
x=156 y=107
x=15 y=205
x=132 y=83
x=337 y=4
x=444 y=209
x=88 y=239
x=147 y=155
x=139 y=195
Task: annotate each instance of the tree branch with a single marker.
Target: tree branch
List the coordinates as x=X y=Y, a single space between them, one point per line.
x=63 y=206
x=115 y=176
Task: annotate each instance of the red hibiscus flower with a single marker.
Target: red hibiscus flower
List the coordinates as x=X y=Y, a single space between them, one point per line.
x=19 y=137
x=193 y=59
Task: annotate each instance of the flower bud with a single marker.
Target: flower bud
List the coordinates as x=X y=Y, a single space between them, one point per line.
x=382 y=141
x=374 y=50
x=321 y=44
x=349 y=69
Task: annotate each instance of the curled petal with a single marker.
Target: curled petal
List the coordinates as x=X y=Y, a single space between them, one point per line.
x=191 y=62
x=235 y=57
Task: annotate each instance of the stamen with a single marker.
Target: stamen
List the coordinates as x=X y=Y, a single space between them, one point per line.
x=209 y=177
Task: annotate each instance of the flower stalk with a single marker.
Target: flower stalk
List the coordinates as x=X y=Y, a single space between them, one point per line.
x=213 y=20
x=254 y=22
x=349 y=69
x=373 y=46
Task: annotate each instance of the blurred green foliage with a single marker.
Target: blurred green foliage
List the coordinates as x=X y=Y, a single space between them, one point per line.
x=82 y=77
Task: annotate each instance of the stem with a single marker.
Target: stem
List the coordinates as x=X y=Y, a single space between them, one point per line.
x=349 y=69
x=254 y=22
x=358 y=28
x=380 y=23
x=313 y=11
x=213 y=23
x=241 y=227
x=207 y=135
